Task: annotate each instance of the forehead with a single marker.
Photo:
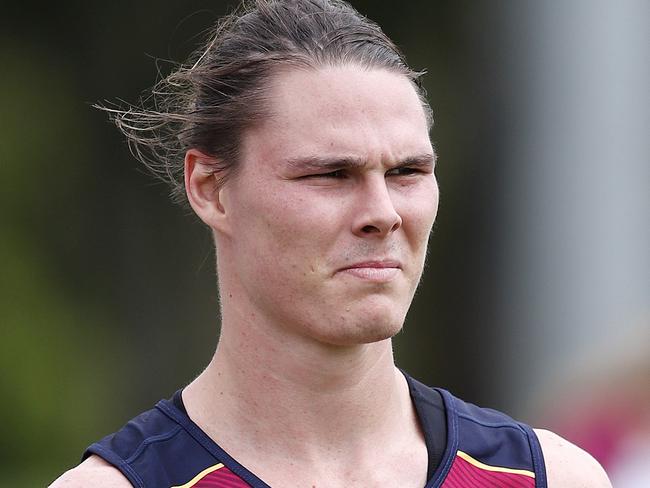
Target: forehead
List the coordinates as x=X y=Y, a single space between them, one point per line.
x=344 y=109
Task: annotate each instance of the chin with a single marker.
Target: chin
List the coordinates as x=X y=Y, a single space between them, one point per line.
x=349 y=331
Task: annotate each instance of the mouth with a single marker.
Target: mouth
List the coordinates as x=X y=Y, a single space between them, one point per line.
x=381 y=271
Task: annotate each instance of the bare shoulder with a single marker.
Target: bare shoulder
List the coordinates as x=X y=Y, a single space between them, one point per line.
x=94 y=471
x=568 y=466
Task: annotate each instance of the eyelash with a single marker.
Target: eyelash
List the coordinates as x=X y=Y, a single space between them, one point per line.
x=338 y=174
x=405 y=171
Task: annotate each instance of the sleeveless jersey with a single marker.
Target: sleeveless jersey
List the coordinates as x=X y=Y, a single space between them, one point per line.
x=479 y=448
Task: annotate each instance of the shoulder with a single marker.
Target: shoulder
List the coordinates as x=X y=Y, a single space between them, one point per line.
x=94 y=471
x=568 y=466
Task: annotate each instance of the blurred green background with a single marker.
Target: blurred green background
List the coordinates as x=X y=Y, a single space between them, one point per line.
x=108 y=292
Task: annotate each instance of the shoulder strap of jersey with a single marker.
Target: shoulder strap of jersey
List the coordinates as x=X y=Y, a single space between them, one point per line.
x=157 y=449
x=488 y=448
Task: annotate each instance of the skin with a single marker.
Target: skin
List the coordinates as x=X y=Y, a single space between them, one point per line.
x=321 y=239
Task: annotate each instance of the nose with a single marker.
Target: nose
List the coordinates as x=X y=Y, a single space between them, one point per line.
x=375 y=213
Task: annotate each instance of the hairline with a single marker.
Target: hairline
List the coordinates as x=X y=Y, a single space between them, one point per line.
x=307 y=64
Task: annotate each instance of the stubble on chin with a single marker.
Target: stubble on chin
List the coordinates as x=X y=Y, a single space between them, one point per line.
x=351 y=329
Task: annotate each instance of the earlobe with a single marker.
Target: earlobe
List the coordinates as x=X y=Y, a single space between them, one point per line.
x=204 y=190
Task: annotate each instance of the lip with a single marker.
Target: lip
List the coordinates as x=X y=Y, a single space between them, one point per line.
x=378 y=271
x=377 y=264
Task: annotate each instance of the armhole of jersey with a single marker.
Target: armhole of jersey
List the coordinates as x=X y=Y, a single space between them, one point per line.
x=117 y=462
x=538 y=457
x=453 y=440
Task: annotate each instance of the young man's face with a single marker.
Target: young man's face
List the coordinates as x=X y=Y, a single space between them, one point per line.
x=331 y=210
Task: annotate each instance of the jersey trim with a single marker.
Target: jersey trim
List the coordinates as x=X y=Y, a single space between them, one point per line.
x=452 y=440
x=174 y=413
x=200 y=476
x=498 y=469
x=538 y=457
x=112 y=458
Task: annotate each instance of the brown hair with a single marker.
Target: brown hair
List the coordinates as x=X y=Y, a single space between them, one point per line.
x=209 y=102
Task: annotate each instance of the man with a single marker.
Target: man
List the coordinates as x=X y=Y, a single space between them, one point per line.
x=305 y=142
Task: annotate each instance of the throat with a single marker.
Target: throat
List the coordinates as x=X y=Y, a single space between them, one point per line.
x=305 y=412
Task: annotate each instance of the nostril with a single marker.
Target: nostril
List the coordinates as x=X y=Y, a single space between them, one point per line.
x=369 y=229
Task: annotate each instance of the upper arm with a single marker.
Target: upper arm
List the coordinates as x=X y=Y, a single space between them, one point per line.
x=568 y=466
x=94 y=471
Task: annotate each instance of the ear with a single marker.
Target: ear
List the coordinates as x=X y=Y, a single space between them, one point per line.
x=203 y=190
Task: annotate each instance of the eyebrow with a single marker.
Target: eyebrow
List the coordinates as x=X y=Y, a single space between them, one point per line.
x=326 y=163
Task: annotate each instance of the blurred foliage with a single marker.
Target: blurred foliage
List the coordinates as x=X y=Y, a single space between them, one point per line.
x=52 y=350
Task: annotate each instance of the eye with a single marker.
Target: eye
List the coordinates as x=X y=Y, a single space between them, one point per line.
x=403 y=171
x=339 y=173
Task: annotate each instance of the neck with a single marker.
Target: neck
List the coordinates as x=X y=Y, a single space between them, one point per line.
x=296 y=393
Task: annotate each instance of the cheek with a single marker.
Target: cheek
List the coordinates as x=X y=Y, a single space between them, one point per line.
x=422 y=208
x=433 y=210
x=281 y=232
x=296 y=217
